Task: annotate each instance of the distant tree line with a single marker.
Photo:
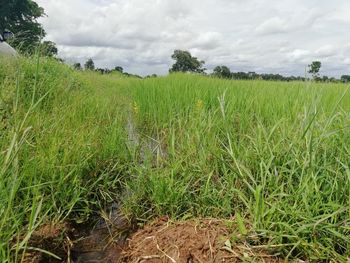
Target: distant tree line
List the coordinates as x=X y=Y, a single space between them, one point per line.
x=224 y=72
x=185 y=62
x=90 y=65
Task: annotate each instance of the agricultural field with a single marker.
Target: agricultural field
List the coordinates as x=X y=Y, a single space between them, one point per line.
x=263 y=164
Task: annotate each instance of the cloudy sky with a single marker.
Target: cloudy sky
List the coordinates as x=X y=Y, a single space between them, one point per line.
x=271 y=36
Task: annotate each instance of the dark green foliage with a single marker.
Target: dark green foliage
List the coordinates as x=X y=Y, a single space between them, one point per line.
x=222 y=72
x=77 y=66
x=48 y=49
x=345 y=78
x=185 y=62
x=225 y=73
x=325 y=79
x=314 y=68
x=151 y=76
x=118 y=68
x=89 y=64
x=104 y=70
x=126 y=74
x=20 y=17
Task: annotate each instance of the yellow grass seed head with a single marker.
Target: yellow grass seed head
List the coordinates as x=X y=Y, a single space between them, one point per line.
x=136 y=108
x=199 y=105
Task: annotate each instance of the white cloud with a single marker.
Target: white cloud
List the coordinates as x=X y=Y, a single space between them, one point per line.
x=207 y=41
x=140 y=35
x=272 y=26
x=298 y=55
x=327 y=51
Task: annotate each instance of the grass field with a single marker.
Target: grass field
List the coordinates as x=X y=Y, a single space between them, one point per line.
x=274 y=156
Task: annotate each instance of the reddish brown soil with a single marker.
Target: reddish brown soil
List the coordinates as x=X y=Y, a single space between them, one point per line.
x=163 y=241
x=192 y=241
x=49 y=237
x=101 y=242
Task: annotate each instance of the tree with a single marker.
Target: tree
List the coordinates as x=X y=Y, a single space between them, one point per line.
x=20 y=17
x=325 y=79
x=186 y=63
x=103 y=70
x=48 y=49
x=333 y=79
x=119 y=69
x=240 y=75
x=151 y=76
x=222 y=72
x=345 y=78
x=77 y=66
x=314 y=68
x=89 y=64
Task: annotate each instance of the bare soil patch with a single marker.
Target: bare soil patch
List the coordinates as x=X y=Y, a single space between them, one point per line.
x=163 y=241
x=51 y=238
x=194 y=241
x=101 y=240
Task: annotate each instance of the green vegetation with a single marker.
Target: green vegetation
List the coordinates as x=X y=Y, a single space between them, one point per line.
x=273 y=155
x=21 y=18
x=89 y=65
x=185 y=62
x=274 y=152
x=314 y=68
x=62 y=147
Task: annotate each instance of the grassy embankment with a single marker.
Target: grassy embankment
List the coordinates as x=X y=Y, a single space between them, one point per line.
x=62 y=147
x=273 y=155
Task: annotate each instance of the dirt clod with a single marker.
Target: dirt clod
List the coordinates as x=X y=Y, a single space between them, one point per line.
x=194 y=241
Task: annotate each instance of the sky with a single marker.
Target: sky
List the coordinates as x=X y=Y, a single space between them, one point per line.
x=265 y=36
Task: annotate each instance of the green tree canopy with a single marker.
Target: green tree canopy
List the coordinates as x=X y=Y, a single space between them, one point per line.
x=89 y=64
x=77 y=66
x=118 y=68
x=184 y=62
x=314 y=68
x=345 y=78
x=20 y=17
x=48 y=49
x=222 y=72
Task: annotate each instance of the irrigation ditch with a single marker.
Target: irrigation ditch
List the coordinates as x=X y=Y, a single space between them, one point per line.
x=109 y=237
x=104 y=237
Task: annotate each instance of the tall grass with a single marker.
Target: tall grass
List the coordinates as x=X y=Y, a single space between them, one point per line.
x=276 y=153
x=62 y=147
x=273 y=155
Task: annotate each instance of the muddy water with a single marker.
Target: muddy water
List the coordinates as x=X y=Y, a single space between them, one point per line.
x=133 y=135
x=105 y=240
x=147 y=147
